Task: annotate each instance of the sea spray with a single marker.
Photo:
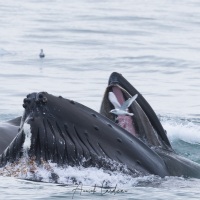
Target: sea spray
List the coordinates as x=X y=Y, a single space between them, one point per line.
x=179 y=129
x=27 y=142
x=68 y=175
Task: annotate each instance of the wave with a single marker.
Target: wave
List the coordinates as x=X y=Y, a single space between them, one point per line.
x=184 y=135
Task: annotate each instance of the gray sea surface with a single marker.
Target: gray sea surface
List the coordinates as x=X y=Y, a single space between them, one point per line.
x=154 y=44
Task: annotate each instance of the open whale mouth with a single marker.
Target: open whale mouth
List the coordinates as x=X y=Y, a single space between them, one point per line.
x=125 y=121
x=144 y=123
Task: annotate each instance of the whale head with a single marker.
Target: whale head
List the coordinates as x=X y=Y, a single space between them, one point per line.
x=68 y=133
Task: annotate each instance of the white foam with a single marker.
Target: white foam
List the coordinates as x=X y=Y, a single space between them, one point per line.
x=182 y=130
x=27 y=169
x=27 y=132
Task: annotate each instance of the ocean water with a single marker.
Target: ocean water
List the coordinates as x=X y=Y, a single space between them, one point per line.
x=155 y=45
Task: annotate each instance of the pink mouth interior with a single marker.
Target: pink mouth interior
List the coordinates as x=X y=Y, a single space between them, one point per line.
x=124 y=121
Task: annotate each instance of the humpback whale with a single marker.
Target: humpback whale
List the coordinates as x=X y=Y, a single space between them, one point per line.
x=146 y=126
x=68 y=133
x=8 y=131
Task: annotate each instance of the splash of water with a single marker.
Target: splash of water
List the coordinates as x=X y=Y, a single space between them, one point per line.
x=182 y=129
